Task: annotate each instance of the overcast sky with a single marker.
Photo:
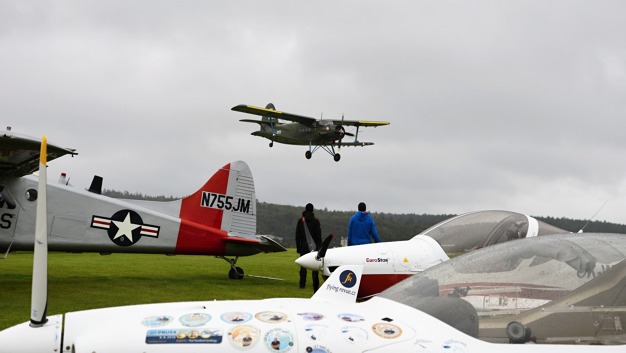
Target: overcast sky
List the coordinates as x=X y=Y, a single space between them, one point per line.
x=515 y=105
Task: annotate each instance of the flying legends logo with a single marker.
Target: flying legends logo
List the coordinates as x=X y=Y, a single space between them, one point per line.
x=125 y=227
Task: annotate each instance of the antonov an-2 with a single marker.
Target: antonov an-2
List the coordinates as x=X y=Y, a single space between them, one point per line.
x=304 y=130
x=219 y=219
x=331 y=321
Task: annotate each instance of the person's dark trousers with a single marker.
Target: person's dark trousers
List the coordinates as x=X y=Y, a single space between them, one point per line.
x=314 y=275
x=302 y=277
x=316 y=280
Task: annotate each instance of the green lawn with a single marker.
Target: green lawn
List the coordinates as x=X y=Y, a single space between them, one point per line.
x=86 y=281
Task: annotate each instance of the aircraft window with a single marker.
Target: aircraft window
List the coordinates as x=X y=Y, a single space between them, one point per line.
x=31 y=194
x=479 y=229
x=326 y=122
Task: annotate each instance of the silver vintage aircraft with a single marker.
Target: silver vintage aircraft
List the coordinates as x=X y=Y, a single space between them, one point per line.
x=218 y=219
x=330 y=321
x=302 y=130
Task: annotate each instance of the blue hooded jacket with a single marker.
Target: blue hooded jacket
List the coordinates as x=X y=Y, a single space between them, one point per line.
x=361 y=228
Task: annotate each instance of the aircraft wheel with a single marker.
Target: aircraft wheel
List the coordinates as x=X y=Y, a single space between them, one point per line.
x=235 y=273
x=272 y=144
x=337 y=157
x=308 y=154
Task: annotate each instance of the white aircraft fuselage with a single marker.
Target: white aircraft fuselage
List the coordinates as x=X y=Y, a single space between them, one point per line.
x=384 y=264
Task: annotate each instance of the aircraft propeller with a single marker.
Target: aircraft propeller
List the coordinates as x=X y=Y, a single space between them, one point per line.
x=322 y=251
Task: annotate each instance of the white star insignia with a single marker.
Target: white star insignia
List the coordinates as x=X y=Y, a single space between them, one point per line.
x=126 y=228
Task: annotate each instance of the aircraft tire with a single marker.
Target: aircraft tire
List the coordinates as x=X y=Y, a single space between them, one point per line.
x=337 y=157
x=308 y=154
x=235 y=273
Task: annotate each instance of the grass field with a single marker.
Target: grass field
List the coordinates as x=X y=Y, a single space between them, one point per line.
x=87 y=281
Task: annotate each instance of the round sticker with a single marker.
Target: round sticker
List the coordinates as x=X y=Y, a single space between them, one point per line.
x=195 y=319
x=244 y=337
x=279 y=340
x=315 y=332
x=236 y=317
x=386 y=330
x=156 y=321
x=271 y=317
x=350 y=317
x=311 y=316
x=353 y=334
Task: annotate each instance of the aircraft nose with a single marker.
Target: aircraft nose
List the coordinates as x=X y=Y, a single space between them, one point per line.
x=308 y=261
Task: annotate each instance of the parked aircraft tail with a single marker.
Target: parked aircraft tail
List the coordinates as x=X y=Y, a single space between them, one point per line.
x=342 y=286
x=227 y=201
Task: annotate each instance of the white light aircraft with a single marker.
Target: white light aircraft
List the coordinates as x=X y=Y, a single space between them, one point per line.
x=387 y=263
x=330 y=321
x=219 y=219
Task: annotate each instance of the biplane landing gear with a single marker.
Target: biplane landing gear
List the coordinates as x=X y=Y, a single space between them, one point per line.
x=234 y=272
x=308 y=154
x=337 y=157
x=272 y=144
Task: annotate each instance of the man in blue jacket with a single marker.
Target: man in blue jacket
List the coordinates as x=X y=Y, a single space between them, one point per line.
x=362 y=228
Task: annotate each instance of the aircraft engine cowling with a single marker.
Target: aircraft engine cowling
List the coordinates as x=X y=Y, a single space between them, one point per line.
x=340 y=131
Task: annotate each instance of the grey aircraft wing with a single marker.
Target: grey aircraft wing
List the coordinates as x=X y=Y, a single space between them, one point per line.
x=19 y=154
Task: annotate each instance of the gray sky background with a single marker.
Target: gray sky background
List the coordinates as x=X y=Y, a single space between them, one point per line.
x=516 y=105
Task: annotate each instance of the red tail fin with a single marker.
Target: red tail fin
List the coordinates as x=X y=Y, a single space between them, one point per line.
x=227 y=201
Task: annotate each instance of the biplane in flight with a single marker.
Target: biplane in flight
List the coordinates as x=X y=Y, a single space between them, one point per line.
x=301 y=130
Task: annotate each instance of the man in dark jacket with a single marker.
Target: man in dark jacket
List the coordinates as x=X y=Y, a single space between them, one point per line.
x=362 y=228
x=304 y=245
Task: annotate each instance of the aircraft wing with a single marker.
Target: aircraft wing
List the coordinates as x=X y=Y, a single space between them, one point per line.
x=366 y=123
x=358 y=143
x=19 y=154
x=273 y=114
x=265 y=244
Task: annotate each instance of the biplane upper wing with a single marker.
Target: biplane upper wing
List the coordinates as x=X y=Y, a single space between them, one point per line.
x=19 y=154
x=272 y=114
x=298 y=118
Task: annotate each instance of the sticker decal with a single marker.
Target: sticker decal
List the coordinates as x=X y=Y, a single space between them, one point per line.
x=351 y=317
x=212 y=336
x=244 y=337
x=156 y=321
x=347 y=278
x=271 y=317
x=236 y=317
x=353 y=334
x=387 y=330
x=195 y=319
x=125 y=227
x=311 y=316
x=455 y=346
x=279 y=340
x=316 y=332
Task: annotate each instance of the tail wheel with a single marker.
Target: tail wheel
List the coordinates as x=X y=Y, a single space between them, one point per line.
x=308 y=154
x=235 y=273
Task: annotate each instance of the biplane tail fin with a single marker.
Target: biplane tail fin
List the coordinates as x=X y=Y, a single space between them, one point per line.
x=227 y=201
x=270 y=122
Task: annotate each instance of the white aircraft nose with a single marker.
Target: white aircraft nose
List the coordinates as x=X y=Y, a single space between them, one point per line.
x=309 y=262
